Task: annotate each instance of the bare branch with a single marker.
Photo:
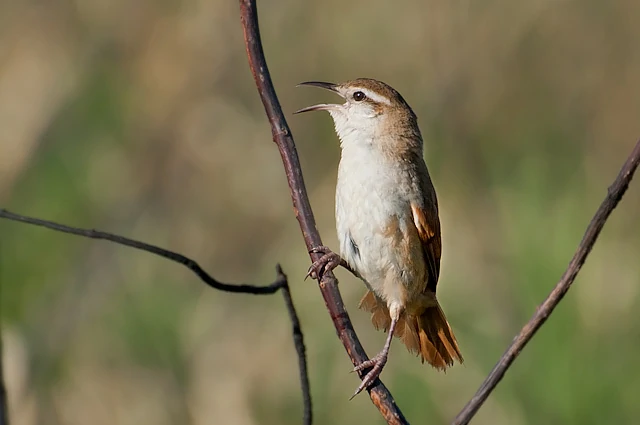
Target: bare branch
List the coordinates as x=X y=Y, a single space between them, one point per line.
x=173 y=256
x=614 y=195
x=379 y=394
x=280 y=283
x=300 y=350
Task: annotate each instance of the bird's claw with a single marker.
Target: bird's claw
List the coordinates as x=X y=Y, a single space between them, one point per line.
x=376 y=364
x=329 y=261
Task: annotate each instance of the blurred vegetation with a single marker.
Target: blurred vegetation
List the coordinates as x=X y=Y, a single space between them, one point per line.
x=141 y=118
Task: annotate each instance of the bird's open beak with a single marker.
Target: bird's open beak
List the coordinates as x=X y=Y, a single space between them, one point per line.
x=321 y=106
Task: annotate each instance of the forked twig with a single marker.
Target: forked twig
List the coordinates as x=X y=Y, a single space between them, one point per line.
x=614 y=194
x=379 y=394
x=280 y=283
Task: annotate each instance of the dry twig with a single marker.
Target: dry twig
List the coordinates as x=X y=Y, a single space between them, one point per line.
x=614 y=195
x=280 y=283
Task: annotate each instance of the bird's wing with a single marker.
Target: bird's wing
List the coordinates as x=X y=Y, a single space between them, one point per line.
x=425 y=218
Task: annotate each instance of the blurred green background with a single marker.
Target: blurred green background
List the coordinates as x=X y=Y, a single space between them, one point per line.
x=141 y=118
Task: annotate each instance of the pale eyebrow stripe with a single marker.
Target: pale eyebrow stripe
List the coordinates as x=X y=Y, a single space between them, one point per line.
x=375 y=96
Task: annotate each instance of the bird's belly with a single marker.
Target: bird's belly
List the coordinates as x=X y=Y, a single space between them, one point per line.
x=376 y=233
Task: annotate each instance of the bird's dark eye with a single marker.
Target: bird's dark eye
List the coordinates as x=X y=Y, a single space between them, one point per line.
x=358 y=96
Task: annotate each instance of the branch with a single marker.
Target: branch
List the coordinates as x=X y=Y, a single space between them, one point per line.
x=379 y=394
x=300 y=350
x=280 y=283
x=614 y=195
x=173 y=256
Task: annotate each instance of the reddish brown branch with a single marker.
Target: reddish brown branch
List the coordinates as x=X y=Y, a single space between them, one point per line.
x=614 y=194
x=379 y=394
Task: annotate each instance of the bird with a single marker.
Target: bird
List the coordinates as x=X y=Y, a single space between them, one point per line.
x=387 y=222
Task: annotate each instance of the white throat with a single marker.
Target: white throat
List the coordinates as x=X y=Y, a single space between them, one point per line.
x=354 y=130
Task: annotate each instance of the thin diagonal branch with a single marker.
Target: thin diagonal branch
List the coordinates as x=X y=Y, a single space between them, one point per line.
x=280 y=283
x=614 y=195
x=379 y=394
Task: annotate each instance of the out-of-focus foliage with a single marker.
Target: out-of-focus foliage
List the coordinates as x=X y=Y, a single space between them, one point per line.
x=141 y=118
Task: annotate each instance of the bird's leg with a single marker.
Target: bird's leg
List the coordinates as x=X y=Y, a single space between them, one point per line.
x=329 y=261
x=377 y=362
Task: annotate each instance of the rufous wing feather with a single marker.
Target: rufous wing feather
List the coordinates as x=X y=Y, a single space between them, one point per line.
x=428 y=226
x=438 y=345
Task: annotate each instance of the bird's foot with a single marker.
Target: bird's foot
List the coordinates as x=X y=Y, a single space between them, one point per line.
x=329 y=261
x=377 y=364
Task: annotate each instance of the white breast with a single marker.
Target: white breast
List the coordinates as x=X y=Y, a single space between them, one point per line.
x=368 y=198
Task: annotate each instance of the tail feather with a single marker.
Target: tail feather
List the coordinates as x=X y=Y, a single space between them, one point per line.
x=428 y=335
x=438 y=345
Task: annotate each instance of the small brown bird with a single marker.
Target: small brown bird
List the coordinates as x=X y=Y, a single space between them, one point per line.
x=387 y=221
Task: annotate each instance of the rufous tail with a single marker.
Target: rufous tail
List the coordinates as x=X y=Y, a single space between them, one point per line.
x=428 y=335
